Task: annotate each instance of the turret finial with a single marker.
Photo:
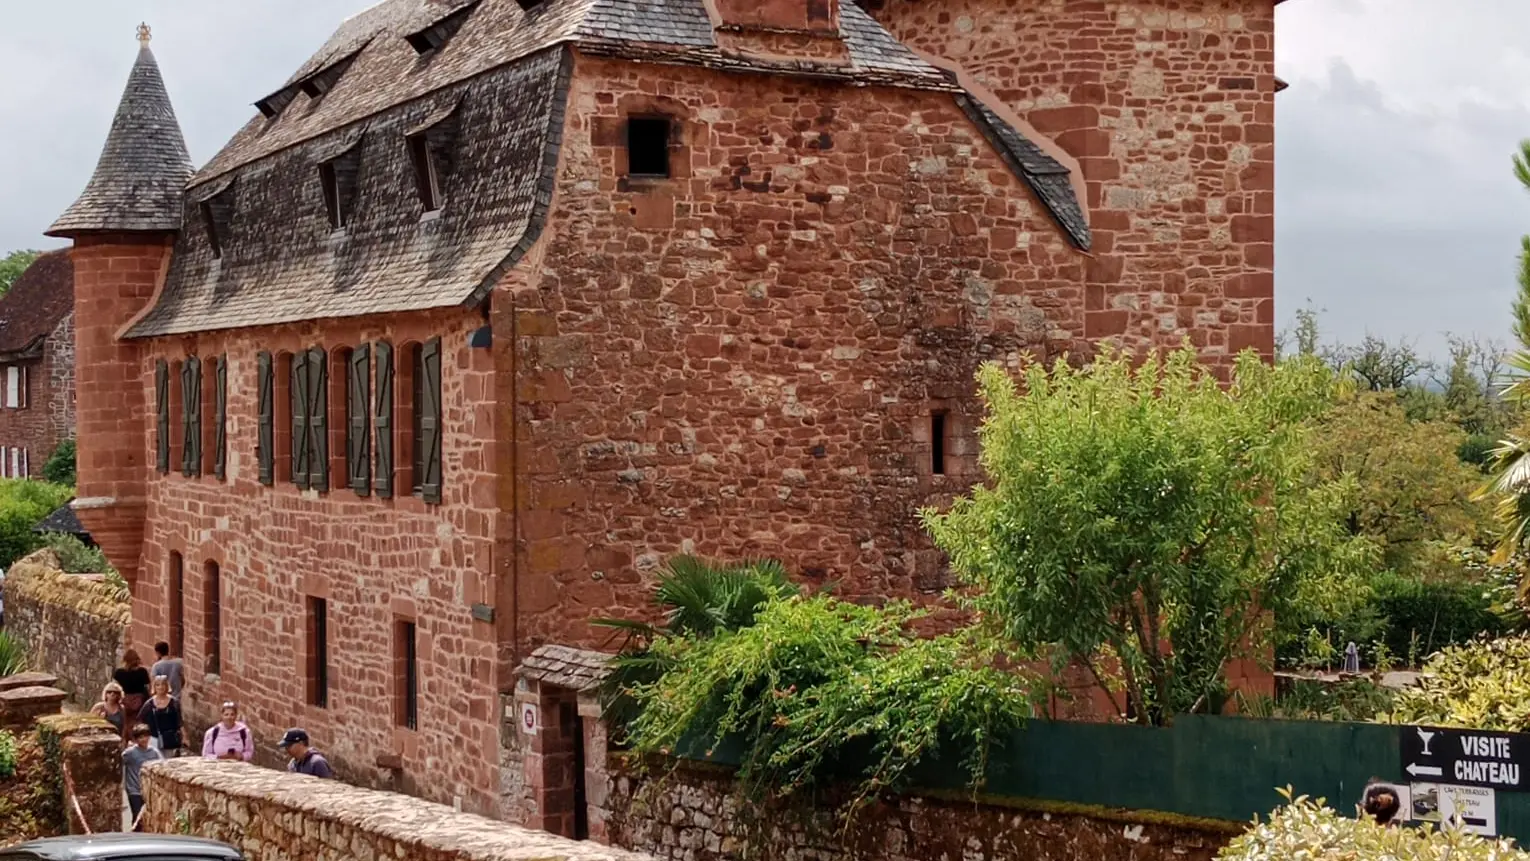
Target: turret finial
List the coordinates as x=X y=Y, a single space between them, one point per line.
x=144 y=34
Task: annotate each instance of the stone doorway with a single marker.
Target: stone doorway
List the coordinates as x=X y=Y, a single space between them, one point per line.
x=554 y=764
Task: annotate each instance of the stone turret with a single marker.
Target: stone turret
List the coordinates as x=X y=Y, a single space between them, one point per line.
x=123 y=227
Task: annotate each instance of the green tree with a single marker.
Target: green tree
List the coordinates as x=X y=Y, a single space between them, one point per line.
x=1412 y=490
x=1139 y=521
x=12 y=265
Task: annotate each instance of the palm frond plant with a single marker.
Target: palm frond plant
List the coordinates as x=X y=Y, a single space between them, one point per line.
x=698 y=599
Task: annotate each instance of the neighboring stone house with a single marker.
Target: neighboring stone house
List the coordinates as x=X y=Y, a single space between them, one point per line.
x=36 y=365
x=497 y=304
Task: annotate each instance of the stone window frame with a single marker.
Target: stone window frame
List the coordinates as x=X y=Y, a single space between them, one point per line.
x=317 y=622
x=175 y=602
x=608 y=135
x=212 y=618
x=406 y=673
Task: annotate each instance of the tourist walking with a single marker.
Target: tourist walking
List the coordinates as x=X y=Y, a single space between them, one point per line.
x=111 y=708
x=229 y=738
x=162 y=715
x=133 y=759
x=173 y=669
x=304 y=759
x=133 y=678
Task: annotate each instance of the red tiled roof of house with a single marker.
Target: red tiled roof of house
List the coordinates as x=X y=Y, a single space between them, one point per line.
x=40 y=298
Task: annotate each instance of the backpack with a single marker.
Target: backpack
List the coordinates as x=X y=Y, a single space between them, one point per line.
x=244 y=739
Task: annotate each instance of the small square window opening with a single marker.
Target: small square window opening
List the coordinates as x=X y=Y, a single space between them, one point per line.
x=648 y=147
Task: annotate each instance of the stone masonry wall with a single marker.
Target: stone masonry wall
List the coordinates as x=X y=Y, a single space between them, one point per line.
x=690 y=814
x=47 y=418
x=743 y=360
x=72 y=625
x=376 y=562
x=60 y=364
x=1169 y=106
x=274 y=816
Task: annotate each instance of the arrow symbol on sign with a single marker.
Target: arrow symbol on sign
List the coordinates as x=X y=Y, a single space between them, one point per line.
x=1430 y=770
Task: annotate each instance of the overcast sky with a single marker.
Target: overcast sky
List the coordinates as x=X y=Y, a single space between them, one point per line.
x=1397 y=213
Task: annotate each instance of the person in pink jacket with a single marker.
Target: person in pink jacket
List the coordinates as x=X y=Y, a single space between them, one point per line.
x=229 y=738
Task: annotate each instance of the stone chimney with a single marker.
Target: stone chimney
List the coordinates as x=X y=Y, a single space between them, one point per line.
x=785 y=30
x=123 y=226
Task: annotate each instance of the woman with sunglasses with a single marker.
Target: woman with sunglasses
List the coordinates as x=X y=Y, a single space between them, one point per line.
x=229 y=738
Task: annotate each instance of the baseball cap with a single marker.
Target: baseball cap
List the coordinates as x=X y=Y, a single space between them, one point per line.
x=293 y=736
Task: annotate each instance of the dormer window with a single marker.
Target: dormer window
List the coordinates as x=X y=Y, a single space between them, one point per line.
x=648 y=147
x=338 y=181
x=431 y=146
x=217 y=211
x=433 y=37
x=426 y=177
x=314 y=86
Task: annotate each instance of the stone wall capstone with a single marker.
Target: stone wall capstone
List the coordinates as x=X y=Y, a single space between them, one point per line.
x=276 y=816
x=691 y=813
x=72 y=624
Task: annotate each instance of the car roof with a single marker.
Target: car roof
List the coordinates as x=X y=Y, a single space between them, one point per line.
x=124 y=846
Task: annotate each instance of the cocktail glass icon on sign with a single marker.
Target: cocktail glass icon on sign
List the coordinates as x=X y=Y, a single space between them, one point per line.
x=1425 y=738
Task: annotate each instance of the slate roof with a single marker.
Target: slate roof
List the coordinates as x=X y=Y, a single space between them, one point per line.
x=503 y=78
x=36 y=303
x=387 y=71
x=63 y=520
x=285 y=264
x=144 y=167
x=567 y=667
x=1046 y=176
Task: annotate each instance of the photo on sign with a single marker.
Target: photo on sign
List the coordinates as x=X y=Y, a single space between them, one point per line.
x=1444 y=804
x=529 y=718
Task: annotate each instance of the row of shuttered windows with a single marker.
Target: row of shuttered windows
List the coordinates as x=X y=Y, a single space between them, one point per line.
x=369 y=381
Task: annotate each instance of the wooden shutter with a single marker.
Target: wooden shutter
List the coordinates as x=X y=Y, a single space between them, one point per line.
x=318 y=419
x=430 y=420
x=220 y=437
x=358 y=416
x=162 y=416
x=191 y=417
x=382 y=478
x=266 y=441
x=300 y=419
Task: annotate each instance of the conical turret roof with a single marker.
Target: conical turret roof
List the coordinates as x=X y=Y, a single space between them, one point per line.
x=141 y=177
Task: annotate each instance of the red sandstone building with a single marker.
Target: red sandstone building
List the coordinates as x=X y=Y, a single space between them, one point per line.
x=36 y=365
x=495 y=305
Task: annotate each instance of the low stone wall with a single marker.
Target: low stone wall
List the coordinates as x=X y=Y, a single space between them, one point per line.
x=276 y=816
x=689 y=813
x=72 y=624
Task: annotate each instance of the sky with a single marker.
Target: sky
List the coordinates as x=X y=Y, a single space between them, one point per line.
x=1397 y=213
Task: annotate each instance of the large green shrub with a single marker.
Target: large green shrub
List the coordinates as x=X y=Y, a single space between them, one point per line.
x=23 y=504
x=60 y=468
x=1309 y=831
x=819 y=691
x=1484 y=685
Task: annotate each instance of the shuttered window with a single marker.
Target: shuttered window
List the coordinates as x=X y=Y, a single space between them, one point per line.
x=301 y=436
x=162 y=416
x=318 y=419
x=220 y=438
x=191 y=417
x=382 y=477
x=427 y=421
x=265 y=443
x=358 y=421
